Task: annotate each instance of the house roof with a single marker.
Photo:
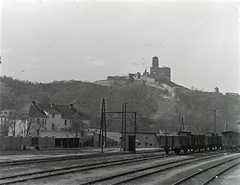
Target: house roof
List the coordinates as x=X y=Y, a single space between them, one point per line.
x=230 y=132
x=41 y=110
x=48 y=108
x=31 y=110
x=70 y=112
x=112 y=135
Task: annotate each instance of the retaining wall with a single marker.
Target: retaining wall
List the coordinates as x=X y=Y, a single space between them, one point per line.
x=16 y=143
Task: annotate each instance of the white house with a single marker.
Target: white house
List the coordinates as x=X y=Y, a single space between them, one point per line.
x=37 y=119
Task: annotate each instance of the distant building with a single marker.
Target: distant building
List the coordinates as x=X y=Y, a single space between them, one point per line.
x=231 y=94
x=113 y=81
x=37 y=119
x=159 y=73
x=6 y=116
x=216 y=90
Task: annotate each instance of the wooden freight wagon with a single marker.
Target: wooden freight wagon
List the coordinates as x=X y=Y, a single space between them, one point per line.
x=169 y=142
x=198 y=141
x=185 y=141
x=231 y=140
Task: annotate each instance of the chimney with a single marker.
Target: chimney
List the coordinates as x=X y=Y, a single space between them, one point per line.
x=71 y=105
x=52 y=104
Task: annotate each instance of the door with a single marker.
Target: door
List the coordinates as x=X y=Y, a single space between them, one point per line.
x=131 y=141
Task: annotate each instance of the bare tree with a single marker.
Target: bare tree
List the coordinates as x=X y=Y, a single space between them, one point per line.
x=28 y=125
x=10 y=124
x=76 y=128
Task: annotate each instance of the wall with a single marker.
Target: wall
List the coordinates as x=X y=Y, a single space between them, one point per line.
x=147 y=140
x=57 y=121
x=16 y=143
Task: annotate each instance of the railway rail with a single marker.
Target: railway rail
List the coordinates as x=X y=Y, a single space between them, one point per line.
x=210 y=172
x=119 y=178
x=72 y=157
x=72 y=169
x=129 y=176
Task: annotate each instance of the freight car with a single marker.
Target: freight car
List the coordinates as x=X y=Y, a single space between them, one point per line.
x=231 y=140
x=213 y=141
x=186 y=141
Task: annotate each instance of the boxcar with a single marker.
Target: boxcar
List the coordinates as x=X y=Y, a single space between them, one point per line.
x=185 y=141
x=167 y=142
x=198 y=142
x=231 y=140
x=210 y=141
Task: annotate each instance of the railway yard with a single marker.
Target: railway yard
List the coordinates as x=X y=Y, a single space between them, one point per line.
x=146 y=166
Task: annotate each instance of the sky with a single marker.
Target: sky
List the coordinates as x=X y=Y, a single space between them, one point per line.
x=88 y=40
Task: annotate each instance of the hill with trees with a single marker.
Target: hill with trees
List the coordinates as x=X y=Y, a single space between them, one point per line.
x=156 y=109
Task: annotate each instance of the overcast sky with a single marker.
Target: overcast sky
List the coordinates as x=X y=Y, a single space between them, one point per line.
x=47 y=40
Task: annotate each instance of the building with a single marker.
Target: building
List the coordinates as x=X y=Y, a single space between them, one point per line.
x=6 y=116
x=144 y=139
x=159 y=73
x=232 y=94
x=37 y=119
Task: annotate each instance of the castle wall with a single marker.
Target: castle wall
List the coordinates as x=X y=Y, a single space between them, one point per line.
x=158 y=73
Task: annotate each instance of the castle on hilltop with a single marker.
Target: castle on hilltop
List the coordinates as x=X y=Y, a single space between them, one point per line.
x=156 y=76
x=159 y=73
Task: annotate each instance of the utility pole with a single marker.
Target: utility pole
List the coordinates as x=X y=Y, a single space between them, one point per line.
x=135 y=129
x=123 y=140
x=183 y=128
x=125 y=126
x=103 y=125
x=179 y=119
x=214 y=121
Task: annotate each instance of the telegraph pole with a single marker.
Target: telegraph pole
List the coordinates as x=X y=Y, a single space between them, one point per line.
x=214 y=121
x=125 y=126
x=103 y=124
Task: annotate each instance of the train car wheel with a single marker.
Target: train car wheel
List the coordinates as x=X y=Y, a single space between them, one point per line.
x=177 y=151
x=167 y=151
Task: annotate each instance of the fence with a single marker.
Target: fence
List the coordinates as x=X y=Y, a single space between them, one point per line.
x=67 y=142
x=17 y=143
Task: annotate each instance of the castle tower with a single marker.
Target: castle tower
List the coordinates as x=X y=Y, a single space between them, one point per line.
x=163 y=73
x=155 y=62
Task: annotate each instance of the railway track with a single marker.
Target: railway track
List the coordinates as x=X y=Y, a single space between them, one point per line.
x=72 y=169
x=70 y=157
x=209 y=172
x=135 y=174
x=112 y=179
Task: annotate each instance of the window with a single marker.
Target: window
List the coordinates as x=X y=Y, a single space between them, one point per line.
x=65 y=122
x=146 y=137
x=53 y=115
x=53 y=126
x=146 y=143
x=37 y=132
x=38 y=121
x=45 y=121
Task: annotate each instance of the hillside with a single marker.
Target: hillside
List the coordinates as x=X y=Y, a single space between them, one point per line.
x=157 y=108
